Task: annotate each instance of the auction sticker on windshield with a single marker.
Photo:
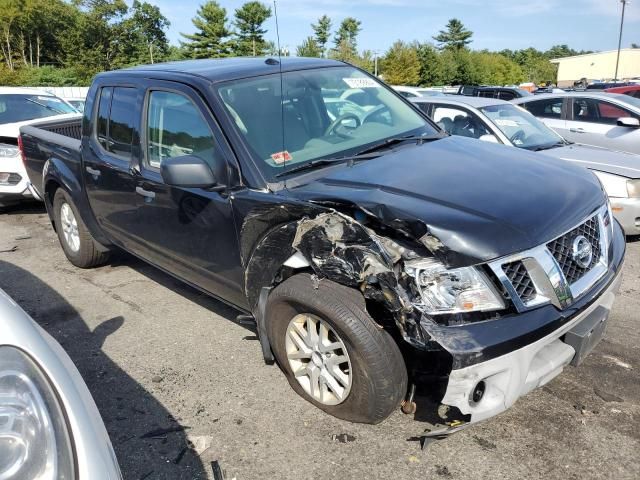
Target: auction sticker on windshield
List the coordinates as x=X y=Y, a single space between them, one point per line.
x=361 y=83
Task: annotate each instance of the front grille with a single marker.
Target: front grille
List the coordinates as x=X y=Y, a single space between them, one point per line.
x=562 y=249
x=519 y=277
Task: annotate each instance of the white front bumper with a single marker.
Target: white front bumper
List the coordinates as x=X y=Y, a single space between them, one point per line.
x=20 y=189
x=515 y=374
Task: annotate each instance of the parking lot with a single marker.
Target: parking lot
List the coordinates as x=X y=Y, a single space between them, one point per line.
x=180 y=384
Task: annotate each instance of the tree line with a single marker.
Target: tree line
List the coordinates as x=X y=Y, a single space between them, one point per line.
x=53 y=42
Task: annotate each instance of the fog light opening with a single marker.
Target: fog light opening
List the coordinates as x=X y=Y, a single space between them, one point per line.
x=478 y=392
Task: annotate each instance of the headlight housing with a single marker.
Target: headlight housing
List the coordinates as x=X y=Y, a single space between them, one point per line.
x=34 y=440
x=8 y=150
x=633 y=188
x=456 y=290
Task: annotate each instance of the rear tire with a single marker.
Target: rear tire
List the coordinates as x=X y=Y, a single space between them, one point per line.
x=76 y=241
x=372 y=377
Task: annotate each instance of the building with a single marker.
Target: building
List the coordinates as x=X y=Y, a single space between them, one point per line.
x=598 y=66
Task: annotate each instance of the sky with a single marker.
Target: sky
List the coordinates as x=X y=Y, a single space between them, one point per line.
x=496 y=24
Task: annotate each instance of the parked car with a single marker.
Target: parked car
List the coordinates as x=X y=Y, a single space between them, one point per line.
x=21 y=106
x=414 y=92
x=77 y=103
x=503 y=93
x=631 y=90
x=502 y=122
x=605 y=85
x=50 y=426
x=374 y=255
x=602 y=119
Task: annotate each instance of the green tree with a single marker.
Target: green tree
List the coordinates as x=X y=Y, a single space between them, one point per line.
x=321 y=31
x=211 y=38
x=496 y=69
x=455 y=37
x=401 y=64
x=145 y=38
x=249 y=19
x=309 y=48
x=11 y=10
x=346 y=40
x=431 y=68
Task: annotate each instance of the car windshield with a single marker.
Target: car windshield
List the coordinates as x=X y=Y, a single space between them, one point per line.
x=633 y=101
x=521 y=128
x=19 y=108
x=324 y=113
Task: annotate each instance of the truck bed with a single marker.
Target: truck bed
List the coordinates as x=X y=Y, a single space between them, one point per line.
x=51 y=139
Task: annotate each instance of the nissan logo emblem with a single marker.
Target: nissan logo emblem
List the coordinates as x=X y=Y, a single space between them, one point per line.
x=582 y=253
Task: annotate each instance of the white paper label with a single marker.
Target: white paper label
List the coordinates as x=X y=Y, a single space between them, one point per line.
x=361 y=83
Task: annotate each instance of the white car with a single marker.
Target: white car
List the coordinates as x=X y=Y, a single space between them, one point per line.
x=499 y=121
x=414 y=92
x=18 y=107
x=50 y=427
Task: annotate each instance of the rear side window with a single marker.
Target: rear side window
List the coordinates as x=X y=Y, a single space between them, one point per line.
x=547 y=108
x=506 y=95
x=116 y=120
x=176 y=128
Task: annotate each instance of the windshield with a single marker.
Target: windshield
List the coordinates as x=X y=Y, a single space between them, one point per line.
x=521 y=128
x=326 y=113
x=19 y=108
x=633 y=101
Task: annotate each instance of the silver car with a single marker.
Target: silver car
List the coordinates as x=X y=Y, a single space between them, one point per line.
x=606 y=120
x=50 y=427
x=499 y=121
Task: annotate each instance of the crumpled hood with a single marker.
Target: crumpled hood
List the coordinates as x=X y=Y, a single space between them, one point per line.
x=468 y=201
x=598 y=158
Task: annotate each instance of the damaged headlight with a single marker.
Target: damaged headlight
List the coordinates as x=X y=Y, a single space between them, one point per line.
x=456 y=290
x=34 y=440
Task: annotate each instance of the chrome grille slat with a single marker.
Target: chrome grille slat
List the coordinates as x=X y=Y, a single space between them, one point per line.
x=519 y=277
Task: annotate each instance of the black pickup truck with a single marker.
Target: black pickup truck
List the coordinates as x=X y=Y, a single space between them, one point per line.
x=378 y=256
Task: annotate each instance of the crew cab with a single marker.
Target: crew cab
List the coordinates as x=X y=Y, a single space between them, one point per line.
x=378 y=256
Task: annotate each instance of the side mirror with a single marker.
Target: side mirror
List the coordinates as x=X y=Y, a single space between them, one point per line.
x=187 y=171
x=628 y=122
x=487 y=137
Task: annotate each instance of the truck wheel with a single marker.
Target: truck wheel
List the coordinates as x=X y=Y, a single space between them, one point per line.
x=77 y=243
x=332 y=352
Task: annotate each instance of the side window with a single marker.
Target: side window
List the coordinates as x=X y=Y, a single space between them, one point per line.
x=116 y=120
x=175 y=127
x=597 y=111
x=102 y=120
x=423 y=106
x=548 y=108
x=122 y=121
x=407 y=94
x=458 y=122
x=506 y=95
x=610 y=113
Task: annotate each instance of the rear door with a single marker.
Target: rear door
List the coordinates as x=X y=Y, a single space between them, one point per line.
x=551 y=112
x=187 y=231
x=594 y=122
x=107 y=157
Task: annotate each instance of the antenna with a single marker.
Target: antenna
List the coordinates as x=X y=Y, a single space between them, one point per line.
x=283 y=151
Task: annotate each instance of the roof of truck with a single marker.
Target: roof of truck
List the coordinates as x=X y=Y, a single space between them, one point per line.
x=223 y=69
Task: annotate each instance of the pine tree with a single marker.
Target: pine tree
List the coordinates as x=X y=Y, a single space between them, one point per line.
x=249 y=19
x=455 y=37
x=211 y=37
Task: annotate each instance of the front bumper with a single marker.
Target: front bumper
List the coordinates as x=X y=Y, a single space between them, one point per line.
x=22 y=190
x=627 y=212
x=520 y=352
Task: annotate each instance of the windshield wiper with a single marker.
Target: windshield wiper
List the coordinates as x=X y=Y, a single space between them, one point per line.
x=550 y=146
x=43 y=105
x=420 y=139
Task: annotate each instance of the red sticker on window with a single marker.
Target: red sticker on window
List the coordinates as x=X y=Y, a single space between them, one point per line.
x=281 y=157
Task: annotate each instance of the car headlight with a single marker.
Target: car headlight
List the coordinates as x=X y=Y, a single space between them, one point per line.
x=633 y=188
x=34 y=440
x=8 y=151
x=615 y=185
x=456 y=290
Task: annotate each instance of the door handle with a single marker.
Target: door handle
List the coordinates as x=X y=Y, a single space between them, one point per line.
x=577 y=130
x=148 y=195
x=92 y=171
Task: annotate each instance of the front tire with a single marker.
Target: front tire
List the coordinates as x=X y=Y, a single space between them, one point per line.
x=77 y=243
x=333 y=354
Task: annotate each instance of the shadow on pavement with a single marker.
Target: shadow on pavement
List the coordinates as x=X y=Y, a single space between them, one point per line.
x=148 y=441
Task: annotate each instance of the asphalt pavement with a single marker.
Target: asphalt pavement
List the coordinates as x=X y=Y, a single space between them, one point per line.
x=180 y=385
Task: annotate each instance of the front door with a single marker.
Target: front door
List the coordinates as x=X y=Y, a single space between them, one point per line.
x=107 y=159
x=187 y=231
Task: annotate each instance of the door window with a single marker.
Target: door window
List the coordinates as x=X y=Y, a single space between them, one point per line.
x=506 y=95
x=116 y=120
x=548 y=108
x=457 y=121
x=597 y=111
x=175 y=127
